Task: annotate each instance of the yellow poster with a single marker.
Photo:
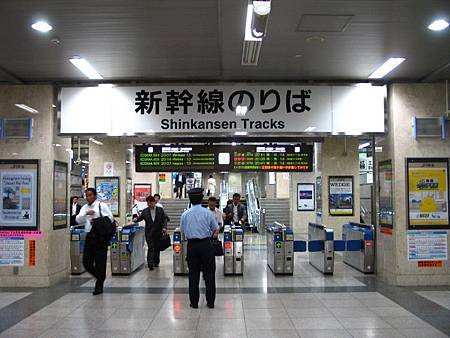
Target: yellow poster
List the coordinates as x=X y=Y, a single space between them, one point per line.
x=428 y=193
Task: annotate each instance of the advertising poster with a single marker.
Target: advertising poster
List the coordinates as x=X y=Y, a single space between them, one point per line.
x=427 y=246
x=162 y=178
x=60 y=202
x=108 y=191
x=340 y=195
x=427 y=193
x=141 y=192
x=386 y=216
x=12 y=251
x=305 y=197
x=19 y=188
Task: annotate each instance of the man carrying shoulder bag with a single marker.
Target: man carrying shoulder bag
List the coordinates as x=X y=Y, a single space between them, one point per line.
x=100 y=228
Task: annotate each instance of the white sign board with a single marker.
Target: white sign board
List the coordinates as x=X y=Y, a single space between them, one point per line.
x=305 y=197
x=427 y=245
x=228 y=109
x=108 y=169
x=12 y=251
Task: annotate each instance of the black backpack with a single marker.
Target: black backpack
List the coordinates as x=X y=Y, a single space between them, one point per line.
x=103 y=226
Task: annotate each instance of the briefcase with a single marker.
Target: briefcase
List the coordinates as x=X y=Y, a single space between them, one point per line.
x=217 y=247
x=164 y=242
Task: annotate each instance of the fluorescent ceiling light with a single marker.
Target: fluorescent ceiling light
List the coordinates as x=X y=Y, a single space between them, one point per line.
x=386 y=68
x=41 y=26
x=234 y=144
x=130 y=150
x=27 y=108
x=105 y=85
x=93 y=140
x=85 y=67
x=364 y=145
x=241 y=110
x=127 y=162
x=438 y=25
x=310 y=128
x=248 y=25
x=85 y=162
x=57 y=145
x=54 y=105
x=240 y=133
x=363 y=85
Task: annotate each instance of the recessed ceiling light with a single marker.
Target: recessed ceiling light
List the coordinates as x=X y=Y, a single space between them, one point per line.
x=106 y=85
x=438 y=25
x=85 y=67
x=54 y=105
x=27 y=108
x=386 y=68
x=315 y=38
x=248 y=26
x=298 y=55
x=41 y=26
x=127 y=162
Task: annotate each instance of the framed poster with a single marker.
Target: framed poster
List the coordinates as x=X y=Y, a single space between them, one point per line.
x=129 y=193
x=340 y=195
x=108 y=191
x=60 y=202
x=427 y=186
x=141 y=192
x=385 y=203
x=305 y=197
x=19 y=185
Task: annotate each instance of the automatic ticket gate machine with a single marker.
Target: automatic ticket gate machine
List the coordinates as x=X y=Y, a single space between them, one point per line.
x=233 y=247
x=364 y=258
x=127 y=249
x=77 y=240
x=179 y=245
x=280 y=249
x=321 y=247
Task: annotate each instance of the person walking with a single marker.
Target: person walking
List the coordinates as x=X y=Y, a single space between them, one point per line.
x=74 y=210
x=155 y=226
x=96 y=246
x=235 y=212
x=212 y=205
x=198 y=225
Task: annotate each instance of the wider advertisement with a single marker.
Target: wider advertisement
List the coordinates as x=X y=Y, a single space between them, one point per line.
x=19 y=188
x=141 y=192
x=60 y=195
x=108 y=191
x=427 y=182
x=340 y=199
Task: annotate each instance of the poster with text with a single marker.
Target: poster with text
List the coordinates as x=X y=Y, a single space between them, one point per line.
x=19 y=188
x=141 y=192
x=305 y=197
x=340 y=195
x=427 y=193
x=427 y=245
x=60 y=202
x=386 y=215
x=108 y=191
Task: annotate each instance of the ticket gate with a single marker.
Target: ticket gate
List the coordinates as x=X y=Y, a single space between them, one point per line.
x=233 y=248
x=179 y=245
x=321 y=247
x=363 y=259
x=77 y=240
x=280 y=249
x=127 y=250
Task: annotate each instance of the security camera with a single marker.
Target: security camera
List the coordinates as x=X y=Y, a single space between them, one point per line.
x=261 y=11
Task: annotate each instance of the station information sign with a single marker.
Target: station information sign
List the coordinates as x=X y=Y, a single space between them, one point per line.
x=156 y=158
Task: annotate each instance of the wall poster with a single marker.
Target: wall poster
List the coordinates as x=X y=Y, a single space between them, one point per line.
x=386 y=205
x=305 y=197
x=427 y=245
x=141 y=192
x=108 y=191
x=340 y=195
x=427 y=183
x=19 y=185
x=12 y=252
x=60 y=202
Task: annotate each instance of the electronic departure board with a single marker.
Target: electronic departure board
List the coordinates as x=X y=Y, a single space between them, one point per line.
x=156 y=158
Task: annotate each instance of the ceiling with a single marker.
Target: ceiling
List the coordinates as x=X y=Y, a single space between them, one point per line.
x=201 y=40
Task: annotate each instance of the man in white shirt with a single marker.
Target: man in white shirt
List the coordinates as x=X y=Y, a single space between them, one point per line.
x=95 y=248
x=218 y=215
x=74 y=210
x=158 y=199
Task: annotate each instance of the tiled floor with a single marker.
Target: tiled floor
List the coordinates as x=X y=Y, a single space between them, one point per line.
x=258 y=304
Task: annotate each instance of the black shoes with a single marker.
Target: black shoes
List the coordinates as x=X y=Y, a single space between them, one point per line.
x=211 y=306
x=193 y=306
x=97 y=292
x=150 y=268
x=98 y=288
x=156 y=265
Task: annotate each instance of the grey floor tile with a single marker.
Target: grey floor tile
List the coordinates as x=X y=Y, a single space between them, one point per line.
x=310 y=312
x=222 y=324
x=269 y=324
x=167 y=314
x=98 y=313
x=316 y=323
x=117 y=334
x=272 y=333
x=67 y=333
x=302 y=304
x=176 y=324
x=79 y=323
x=349 y=302
x=169 y=334
x=37 y=322
x=228 y=333
x=364 y=323
x=355 y=312
x=379 y=303
x=262 y=304
x=389 y=311
x=131 y=324
x=336 y=333
x=410 y=322
x=265 y=313
x=22 y=333
x=230 y=313
x=423 y=333
x=376 y=333
x=134 y=313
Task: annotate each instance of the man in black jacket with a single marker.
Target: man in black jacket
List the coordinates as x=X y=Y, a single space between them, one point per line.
x=74 y=210
x=235 y=212
x=155 y=226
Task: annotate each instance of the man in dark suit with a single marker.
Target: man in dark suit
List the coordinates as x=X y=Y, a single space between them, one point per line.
x=235 y=212
x=180 y=182
x=74 y=210
x=155 y=226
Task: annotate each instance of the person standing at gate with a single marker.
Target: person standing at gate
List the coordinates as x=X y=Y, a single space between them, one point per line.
x=180 y=182
x=155 y=226
x=212 y=205
x=235 y=212
x=198 y=225
x=95 y=247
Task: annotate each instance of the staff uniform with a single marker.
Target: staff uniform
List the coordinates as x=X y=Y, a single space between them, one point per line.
x=198 y=225
x=95 y=249
x=218 y=216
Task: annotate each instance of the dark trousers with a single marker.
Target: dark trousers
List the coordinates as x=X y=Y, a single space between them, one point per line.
x=94 y=259
x=179 y=191
x=152 y=253
x=200 y=257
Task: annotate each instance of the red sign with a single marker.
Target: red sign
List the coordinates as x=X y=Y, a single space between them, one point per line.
x=429 y=264
x=177 y=248
x=32 y=252
x=228 y=245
